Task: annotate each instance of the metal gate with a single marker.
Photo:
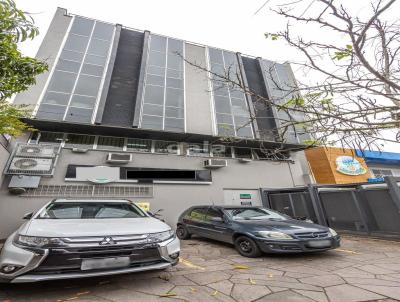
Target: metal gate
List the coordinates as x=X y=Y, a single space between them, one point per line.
x=360 y=208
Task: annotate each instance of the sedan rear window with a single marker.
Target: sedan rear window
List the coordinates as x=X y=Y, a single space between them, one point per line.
x=90 y=210
x=254 y=214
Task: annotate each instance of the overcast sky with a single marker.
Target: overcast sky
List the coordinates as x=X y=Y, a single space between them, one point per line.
x=227 y=24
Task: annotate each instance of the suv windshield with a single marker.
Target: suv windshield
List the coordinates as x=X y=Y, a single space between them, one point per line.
x=90 y=210
x=253 y=214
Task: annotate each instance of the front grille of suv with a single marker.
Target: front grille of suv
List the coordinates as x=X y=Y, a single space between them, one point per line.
x=312 y=235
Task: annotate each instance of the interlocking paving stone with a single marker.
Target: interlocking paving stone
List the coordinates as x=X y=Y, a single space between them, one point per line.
x=200 y=294
x=374 y=269
x=248 y=293
x=324 y=281
x=349 y=293
x=285 y=296
x=208 y=277
x=222 y=286
x=389 y=291
x=317 y=296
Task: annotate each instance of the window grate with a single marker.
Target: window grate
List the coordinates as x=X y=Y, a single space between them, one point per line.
x=89 y=191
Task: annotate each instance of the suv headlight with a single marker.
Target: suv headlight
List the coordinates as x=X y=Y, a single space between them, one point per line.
x=333 y=232
x=33 y=241
x=274 y=235
x=162 y=236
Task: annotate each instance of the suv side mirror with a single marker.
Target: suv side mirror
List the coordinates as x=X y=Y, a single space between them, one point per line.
x=28 y=216
x=217 y=219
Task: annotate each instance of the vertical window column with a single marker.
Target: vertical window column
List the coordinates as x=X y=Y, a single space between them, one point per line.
x=73 y=91
x=231 y=109
x=163 y=98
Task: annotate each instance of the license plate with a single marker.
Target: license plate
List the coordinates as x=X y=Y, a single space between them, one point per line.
x=319 y=243
x=90 y=264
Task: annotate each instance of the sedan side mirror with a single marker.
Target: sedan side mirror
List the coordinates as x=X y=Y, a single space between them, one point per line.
x=217 y=219
x=28 y=216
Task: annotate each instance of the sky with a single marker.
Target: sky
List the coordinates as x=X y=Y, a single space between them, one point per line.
x=229 y=24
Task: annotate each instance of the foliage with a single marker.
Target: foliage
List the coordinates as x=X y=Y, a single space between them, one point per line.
x=17 y=72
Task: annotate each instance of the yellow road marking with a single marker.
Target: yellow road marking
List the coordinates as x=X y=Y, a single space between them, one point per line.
x=241 y=267
x=190 y=264
x=346 y=251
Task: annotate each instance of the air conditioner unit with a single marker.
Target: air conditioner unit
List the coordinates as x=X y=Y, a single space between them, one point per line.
x=30 y=166
x=215 y=163
x=119 y=158
x=37 y=151
x=245 y=160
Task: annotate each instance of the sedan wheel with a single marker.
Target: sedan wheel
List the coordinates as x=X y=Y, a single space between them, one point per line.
x=247 y=247
x=182 y=232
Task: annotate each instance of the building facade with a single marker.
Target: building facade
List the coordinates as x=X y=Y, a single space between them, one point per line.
x=125 y=113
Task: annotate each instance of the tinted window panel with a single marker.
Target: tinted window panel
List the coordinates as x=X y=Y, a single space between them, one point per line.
x=80 y=115
x=223 y=106
x=177 y=74
x=225 y=130
x=103 y=31
x=95 y=70
x=56 y=98
x=154 y=95
x=174 y=83
x=109 y=142
x=175 y=46
x=174 y=97
x=244 y=132
x=155 y=70
x=158 y=43
x=174 y=61
x=77 y=140
x=224 y=119
x=83 y=101
x=141 y=145
x=82 y=26
x=157 y=58
x=152 y=122
x=153 y=109
x=173 y=124
x=96 y=60
x=155 y=80
x=76 y=43
x=70 y=66
x=174 y=112
x=215 y=55
x=99 y=47
x=51 y=112
x=62 y=81
x=198 y=214
x=88 y=85
x=71 y=55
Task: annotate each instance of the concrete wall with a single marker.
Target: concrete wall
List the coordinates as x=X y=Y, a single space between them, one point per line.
x=198 y=104
x=173 y=198
x=47 y=52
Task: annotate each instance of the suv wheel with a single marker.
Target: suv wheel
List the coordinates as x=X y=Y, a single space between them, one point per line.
x=182 y=232
x=247 y=247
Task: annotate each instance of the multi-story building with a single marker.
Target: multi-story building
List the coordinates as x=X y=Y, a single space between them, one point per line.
x=127 y=114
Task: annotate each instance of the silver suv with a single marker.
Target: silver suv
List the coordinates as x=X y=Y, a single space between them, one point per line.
x=84 y=238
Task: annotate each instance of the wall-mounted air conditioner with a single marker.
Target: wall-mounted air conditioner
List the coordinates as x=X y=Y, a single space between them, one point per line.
x=215 y=163
x=30 y=166
x=37 y=151
x=119 y=158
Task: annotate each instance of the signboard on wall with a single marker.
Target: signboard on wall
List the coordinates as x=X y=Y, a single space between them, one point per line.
x=349 y=165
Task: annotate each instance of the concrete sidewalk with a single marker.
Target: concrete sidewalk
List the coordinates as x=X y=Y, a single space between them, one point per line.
x=361 y=270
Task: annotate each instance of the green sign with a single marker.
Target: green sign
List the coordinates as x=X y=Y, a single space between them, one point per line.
x=245 y=196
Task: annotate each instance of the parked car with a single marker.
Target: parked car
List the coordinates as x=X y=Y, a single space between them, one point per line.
x=254 y=230
x=84 y=238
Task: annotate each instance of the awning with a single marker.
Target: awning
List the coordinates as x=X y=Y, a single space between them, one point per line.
x=379 y=157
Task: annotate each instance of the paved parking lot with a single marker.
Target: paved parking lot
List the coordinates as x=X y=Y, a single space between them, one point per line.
x=361 y=270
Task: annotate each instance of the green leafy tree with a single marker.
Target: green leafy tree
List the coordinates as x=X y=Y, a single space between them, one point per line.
x=17 y=72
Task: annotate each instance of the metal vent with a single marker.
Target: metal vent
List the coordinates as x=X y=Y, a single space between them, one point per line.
x=142 y=191
x=34 y=166
x=37 y=151
x=215 y=163
x=119 y=158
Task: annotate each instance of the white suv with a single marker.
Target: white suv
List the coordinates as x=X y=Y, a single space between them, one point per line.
x=84 y=238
